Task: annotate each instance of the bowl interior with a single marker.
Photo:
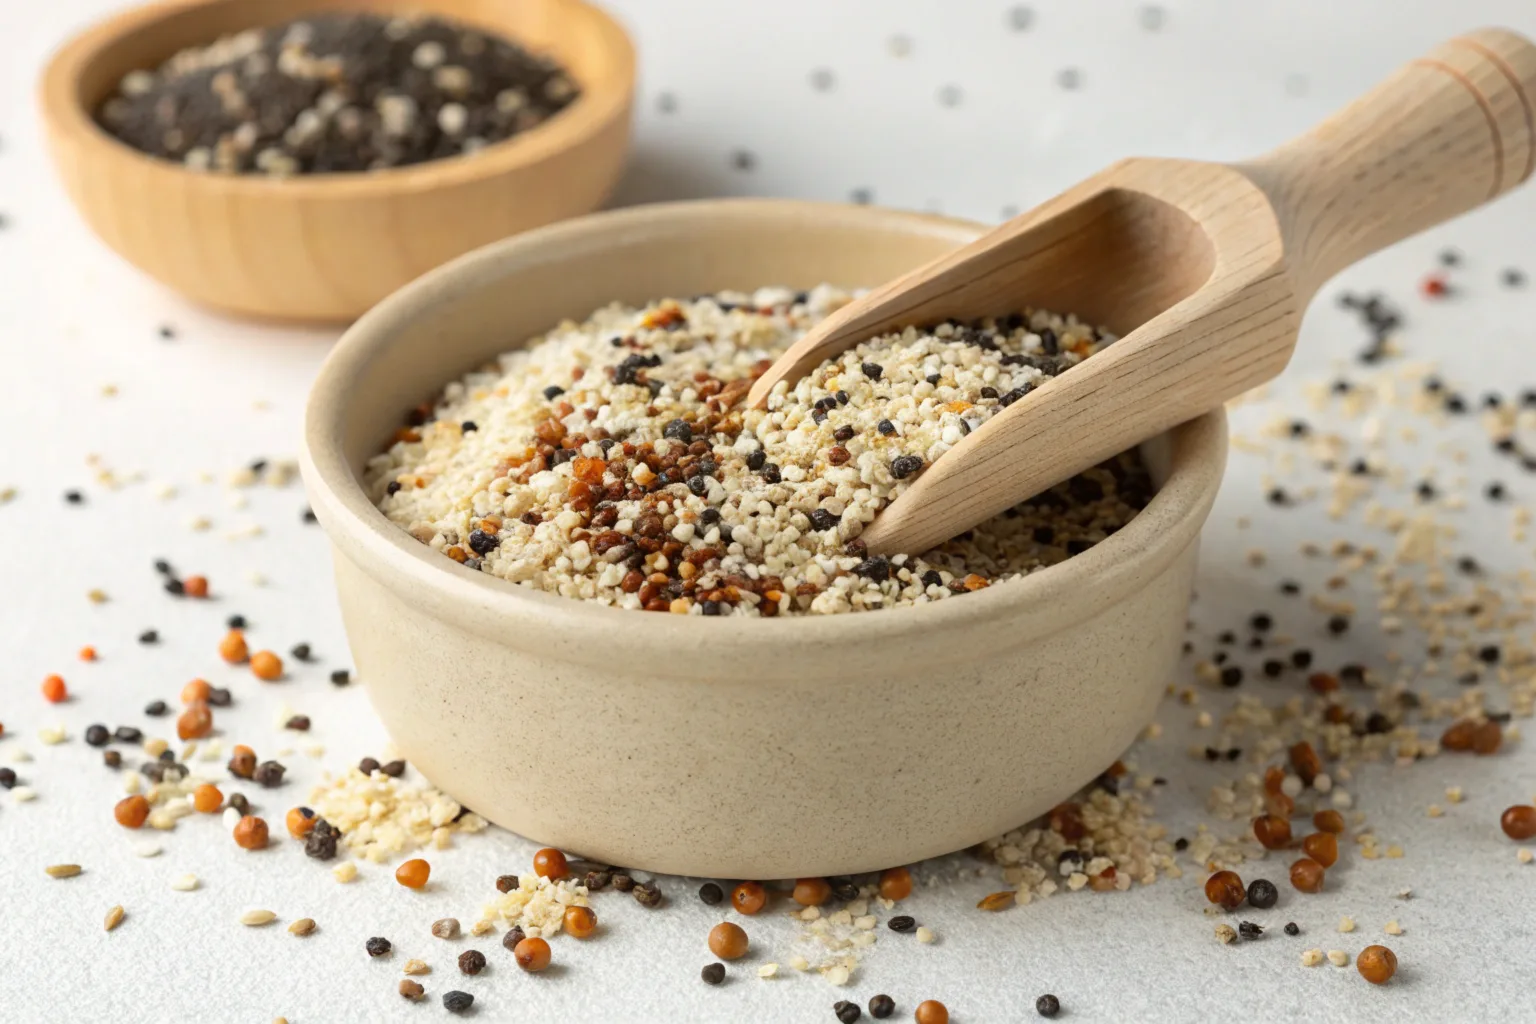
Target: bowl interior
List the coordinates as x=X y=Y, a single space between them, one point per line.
x=145 y=38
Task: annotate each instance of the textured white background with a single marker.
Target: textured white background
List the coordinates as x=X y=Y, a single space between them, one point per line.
x=1218 y=79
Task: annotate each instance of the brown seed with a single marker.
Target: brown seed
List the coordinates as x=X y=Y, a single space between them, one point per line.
x=532 y=954
x=1322 y=847
x=748 y=898
x=1376 y=964
x=446 y=928
x=1272 y=832
x=131 y=811
x=242 y=762
x=267 y=666
x=811 y=892
x=551 y=864
x=303 y=926
x=251 y=833
x=931 y=1011
x=114 y=917
x=896 y=883
x=728 y=941
x=471 y=961
x=1225 y=889
x=195 y=586
x=580 y=922
x=999 y=900
x=232 y=648
x=1329 y=821
x=1307 y=874
x=411 y=990
x=195 y=722
x=512 y=938
x=1519 y=821
x=62 y=870
x=1305 y=761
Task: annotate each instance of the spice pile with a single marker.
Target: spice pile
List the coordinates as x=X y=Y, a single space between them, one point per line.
x=336 y=93
x=609 y=460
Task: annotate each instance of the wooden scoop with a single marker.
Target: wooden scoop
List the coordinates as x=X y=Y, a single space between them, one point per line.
x=1203 y=268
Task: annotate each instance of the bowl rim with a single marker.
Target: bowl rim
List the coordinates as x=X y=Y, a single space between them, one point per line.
x=1082 y=586
x=593 y=111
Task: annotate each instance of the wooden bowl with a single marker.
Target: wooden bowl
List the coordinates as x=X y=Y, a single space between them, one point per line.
x=326 y=247
x=731 y=747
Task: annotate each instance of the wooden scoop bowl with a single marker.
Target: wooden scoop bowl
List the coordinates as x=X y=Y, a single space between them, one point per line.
x=1204 y=269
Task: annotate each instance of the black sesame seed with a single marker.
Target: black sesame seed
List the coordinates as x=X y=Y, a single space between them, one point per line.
x=1262 y=893
x=1013 y=396
x=300 y=651
x=341 y=677
x=678 y=430
x=1274 y=668
x=393 y=487
x=843 y=433
x=1513 y=277
x=1455 y=404
x=482 y=543
x=156 y=708
x=1495 y=491
x=877 y=569
x=1338 y=624
x=309 y=516
x=149 y=636
x=1291 y=929
x=220 y=697
x=881 y=1006
x=1231 y=676
x=1261 y=622
x=771 y=472
x=1181 y=844
x=904 y=466
x=1249 y=930
x=886 y=427
x=1301 y=658
x=73 y=497
x=1277 y=496
x=713 y=974
x=1489 y=655
x=872 y=370
x=162 y=567
x=174 y=586
x=97 y=735
x=757 y=460
x=127 y=734
x=1047 y=1005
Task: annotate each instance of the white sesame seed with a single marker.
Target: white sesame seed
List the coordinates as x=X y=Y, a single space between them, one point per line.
x=257 y=918
x=771 y=970
x=23 y=794
x=184 y=883
x=114 y=917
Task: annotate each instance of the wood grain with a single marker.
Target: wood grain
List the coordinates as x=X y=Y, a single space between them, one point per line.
x=1204 y=268
x=327 y=247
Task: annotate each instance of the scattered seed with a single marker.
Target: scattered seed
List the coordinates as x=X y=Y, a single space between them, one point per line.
x=114 y=917
x=257 y=918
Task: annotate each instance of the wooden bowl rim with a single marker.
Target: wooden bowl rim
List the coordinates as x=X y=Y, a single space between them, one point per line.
x=601 y=102
x=1084 y=585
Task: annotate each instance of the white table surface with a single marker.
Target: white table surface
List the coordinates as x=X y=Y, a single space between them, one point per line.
x=1219 y=79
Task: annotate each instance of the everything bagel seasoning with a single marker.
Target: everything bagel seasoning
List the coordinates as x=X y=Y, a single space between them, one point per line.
x=613 y=460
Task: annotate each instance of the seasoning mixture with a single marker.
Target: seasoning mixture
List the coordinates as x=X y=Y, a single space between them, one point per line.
x=610 y=460
x=335 y=93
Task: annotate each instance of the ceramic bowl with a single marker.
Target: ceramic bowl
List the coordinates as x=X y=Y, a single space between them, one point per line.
x=734 y=748
x=326 y=247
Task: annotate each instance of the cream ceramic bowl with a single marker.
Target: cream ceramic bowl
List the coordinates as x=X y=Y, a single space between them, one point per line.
x=732 y=748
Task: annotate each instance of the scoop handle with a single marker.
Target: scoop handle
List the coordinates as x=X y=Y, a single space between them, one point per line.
x=1443 y=135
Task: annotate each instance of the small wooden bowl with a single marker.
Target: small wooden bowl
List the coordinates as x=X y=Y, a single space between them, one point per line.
x=326 y=247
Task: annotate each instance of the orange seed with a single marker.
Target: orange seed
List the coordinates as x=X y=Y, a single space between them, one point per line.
x=131 y=811
x=550 y=863
x=728 y=941
x=251 y=833
x=267 y=666
x=207 y=798
x=895 y=883
x=413 y=874
x=232 y=648
x=580 y=922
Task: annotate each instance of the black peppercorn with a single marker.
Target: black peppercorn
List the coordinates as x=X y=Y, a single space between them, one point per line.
x=341 y=677
x=844 y=890
x=872 y=370
x=713 y=974
x=1047 y=1005
x=457 y=1002
x=471 y=961
x=378 y=946
x=882 y=1006
x=711 y=894
x=1232 y=675
x=97 y=735
x=300 y=652
x=1338 y=624
x=269 y=774
x=847 y=1012
x=1291 y=929
x=236 y=622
